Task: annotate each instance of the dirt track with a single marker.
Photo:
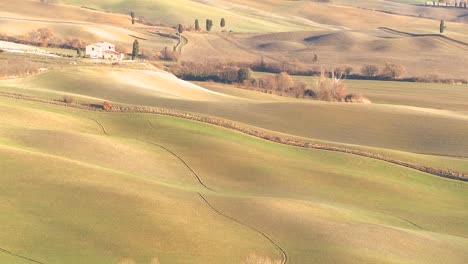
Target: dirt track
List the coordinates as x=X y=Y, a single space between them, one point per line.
x=255 y=132
x=204 y=198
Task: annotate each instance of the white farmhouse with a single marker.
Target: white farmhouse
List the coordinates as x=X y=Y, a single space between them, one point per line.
x=103 y=50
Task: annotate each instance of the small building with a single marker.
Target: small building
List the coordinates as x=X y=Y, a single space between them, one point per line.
x=103 y=50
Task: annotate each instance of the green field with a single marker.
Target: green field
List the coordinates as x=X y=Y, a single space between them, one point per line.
x=112 y=197
x=129 y=187
x=343 y=123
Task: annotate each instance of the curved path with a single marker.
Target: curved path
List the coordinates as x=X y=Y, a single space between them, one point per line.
x=182 y=42
x=202 y=197
x=252 y=131
x=20 y=256
x=447 y=40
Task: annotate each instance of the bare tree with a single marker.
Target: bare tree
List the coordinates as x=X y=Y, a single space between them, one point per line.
x=331 y=88
x=369 y=70
x=393 y=71
x=284 y=81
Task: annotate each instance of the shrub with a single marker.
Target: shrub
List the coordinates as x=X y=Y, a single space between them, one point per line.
x=106 y=106
x=229 y=75
x=68 y=99
x=330 y=89
x=76 y=43
x=298 y=89
x=348 y=70
x=284 y=81
x=310 y=93
x=393 y=71
x=355 y=98
x=19 y=66
x=169 y=55
x=369 y=70
x=244 y=74
x=42 y=36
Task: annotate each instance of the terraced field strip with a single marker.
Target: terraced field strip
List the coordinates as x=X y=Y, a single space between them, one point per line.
x=255 y=132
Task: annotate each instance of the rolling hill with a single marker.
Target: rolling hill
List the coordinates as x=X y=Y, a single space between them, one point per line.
x=104 y=207
x=235 y=176
x=314 y=120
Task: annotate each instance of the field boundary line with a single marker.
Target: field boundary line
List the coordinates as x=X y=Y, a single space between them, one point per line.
x=100 y=125
x=204 y=199
x=279 y=248
x=251 y=131
x=19 y=256
x=442 y=38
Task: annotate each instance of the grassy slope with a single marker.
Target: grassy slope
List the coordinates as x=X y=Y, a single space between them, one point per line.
x=102 y=207
x=416 y=128
x=186 y=11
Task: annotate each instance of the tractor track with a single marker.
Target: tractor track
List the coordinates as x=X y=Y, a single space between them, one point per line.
x=258 y=133
x=439 y=37
x=281 y=250
x=202 y=197
x=20 y=256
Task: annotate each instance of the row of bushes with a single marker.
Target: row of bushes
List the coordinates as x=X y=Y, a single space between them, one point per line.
x=19 y=67
x=329 y=87
x=44 y=37
x=389 y=71
x=446 y=173
x=211 y=72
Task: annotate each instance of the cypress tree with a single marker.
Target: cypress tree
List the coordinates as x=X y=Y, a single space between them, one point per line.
x=222 y=23
x=136 y=49
x=180 y=29
x=442 y=26
x=209 y=24
x=132 y=14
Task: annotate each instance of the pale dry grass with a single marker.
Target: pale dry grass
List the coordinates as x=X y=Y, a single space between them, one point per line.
x=126 y=261
x=257 y=259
